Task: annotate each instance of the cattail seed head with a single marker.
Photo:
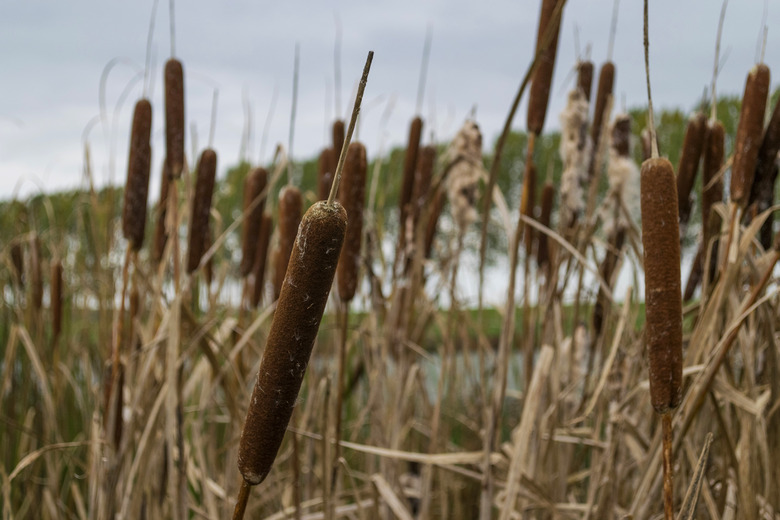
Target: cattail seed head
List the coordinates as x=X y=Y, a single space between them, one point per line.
x=433 y=221
x=290 y=210
x=410 y=164
x=585 y=78
x=35 y=269
x=689 y=162
x=17 y=261
x=326 y=165
x=352 y=197
x=426 y=158
x=56 y=298
x=291 y=337
x=543 y=246
x=174 y=117
x=465 y=157
x=749 y=133
x=138 y=167
x=527 y=203
x=542 y=78
x=623 y=176
x=261 y=254
x=762 y=193
x=201 y=207
x=160 y=233
x=253 y=186
x=338 y=136
x=661 y=243
x=575 y=150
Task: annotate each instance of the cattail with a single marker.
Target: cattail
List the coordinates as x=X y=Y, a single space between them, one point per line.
x=422 y=180
x=623 y=176
x=35 y=269
x=253 y=186
x=762 y=193
x=325 y=168
x=17 y=261
x=542 y=79
x=749 y=133
x=261 y=253
x=291 y=337
x=433 y=221
x=352 y=195
x=575 y=149
x=689 y=163
x=174 y=117
x=527 y=203
x=201 y=207
x=712 y=187
x=585 y=78
x=337 y=134
x=661 y=242
x=407 y=182
x=56 y=299
x=290 y=209
x=160 y=233
x=543 y=246
x=603 y=93
x=464 y=157
x=138 y=166
x=135 y=310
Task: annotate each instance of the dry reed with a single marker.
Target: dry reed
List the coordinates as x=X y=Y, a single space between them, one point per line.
x=138 y=167
x=201 y=207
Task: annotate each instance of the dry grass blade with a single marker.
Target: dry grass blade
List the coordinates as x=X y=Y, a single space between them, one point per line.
x=688 y=507
x=390 y=498
x=33 y=456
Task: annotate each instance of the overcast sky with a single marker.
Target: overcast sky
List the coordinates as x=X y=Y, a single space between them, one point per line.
x=54 y=53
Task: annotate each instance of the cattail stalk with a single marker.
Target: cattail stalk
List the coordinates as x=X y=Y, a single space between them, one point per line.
x=174 y=117
x=201 y=208
x=56 y=300
x=254 y=187
x=138 y=167
x=290 y=210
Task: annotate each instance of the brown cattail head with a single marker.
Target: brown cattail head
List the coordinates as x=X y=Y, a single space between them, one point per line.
x=56 y=299
x=410 y=164
x=433 y=220
x=542 y=78
x=290 y=209
x=661 y=242
x=138 y=166
x=712 y=185
x=689 y=163
x=291 y=337
x=527 y=203
x=174 y=117
x=749 y=133
x=160 y=233
x=762 y=193
x=585 y=78
x=621 y=135
x=426 y=158
x=623 y=176
x=603 y=93
x=261 y=254
x=201 y=207
x=17 y=261
x=352 y=197
x=35 y=270
x=325 y=168
x=543 y=245
x=338 y=136
x=253 y=187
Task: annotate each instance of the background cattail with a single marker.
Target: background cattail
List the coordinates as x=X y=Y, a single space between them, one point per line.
x=17 y=261
x=201 y=207
x=433 y=220
x=36 y=278
x=426 y=158
x=575 y=149
x=325 y=168
x=585 y=78
x=253 y=186
x=160 y=233
x=603 y=93
x=543 y=242
x=261 y=254
x=689 y=163
x=762 y=193
x=174 y=117
x=623 y=177
x=291 y=337
x=407 y=181
x=137 y=184
x=352 y=195
x=337 y=135
x=542 y=78
x=290 y=210
x=749 y=133
x=56 y=299
x=464 y=156
x=661 y=242
x=527 y=203
x=712 y=188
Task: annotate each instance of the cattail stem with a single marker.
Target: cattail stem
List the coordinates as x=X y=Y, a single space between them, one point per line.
x=243 y=498
x=650 y=121
x=666 y=420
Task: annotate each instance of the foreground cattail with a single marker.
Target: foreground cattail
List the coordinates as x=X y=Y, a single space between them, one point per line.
x=585 y=78
x=603 y=93
x=326 y=165
x=56 y=299
x=661 y=242
x=261 y=254
x=352 y=195
x=689 y=163
x=290 y=209
x=254 y=185
x=749 y=133
x=294 y=328
x=138 y=167
x=36 y=278
x=762 y=192
x=160 y=233
x=542 y=78
x=201 y=207
x=17 y=261
x=174 y=117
